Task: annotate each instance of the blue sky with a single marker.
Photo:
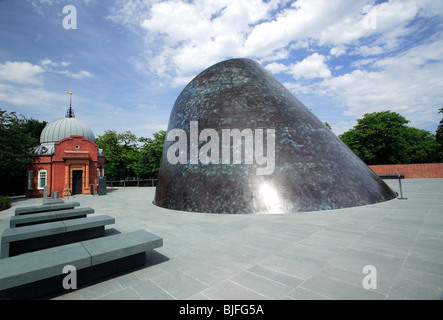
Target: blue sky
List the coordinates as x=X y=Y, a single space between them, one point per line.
x=128 y=61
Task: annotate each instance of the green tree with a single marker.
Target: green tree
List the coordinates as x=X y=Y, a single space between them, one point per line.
x=17 y=135
x=421 y=146
x=129 y=153
x=127 y=156
x=384 y=138
x=118 y=149
x=151 y=155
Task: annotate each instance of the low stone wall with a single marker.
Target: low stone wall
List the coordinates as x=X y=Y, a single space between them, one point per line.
x=416 y=170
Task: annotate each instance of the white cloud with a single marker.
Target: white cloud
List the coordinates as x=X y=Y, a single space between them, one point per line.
x=29 y=97
x=335 y=22
x=181 y=81
x=409 y=83
x=277 y=68
x=310 y=68
x=27 y=73
x=21 y=72
x=81 y=75
x=338 y=50
x=369 y=51
x=130 y=12
x=47 y=63
x=363 y=62
x=188 y=37
x=23 y=87
x=185 y=37
x=298 y=88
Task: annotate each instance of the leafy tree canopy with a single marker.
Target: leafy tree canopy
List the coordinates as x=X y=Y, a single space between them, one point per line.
x=384 y=138
x=129 y=156
x=17 y=135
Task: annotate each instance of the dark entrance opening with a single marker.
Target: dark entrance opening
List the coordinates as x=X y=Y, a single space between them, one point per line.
x=77 y=182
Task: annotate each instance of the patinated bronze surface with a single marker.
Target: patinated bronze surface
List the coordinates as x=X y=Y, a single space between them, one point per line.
x=314 y=170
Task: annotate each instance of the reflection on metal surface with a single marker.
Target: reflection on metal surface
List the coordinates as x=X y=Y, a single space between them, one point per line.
x=275 y=156
x=269 y=196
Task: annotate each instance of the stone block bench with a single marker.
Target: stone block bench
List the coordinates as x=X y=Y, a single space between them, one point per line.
x=40 y=273
x=46 y=207
x=16 y=241
x=49 y=201
x=50 y=216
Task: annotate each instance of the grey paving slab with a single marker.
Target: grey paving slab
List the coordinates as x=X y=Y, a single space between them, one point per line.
x=123 y=294
x=148 y=290
x=354 y=278
x=305 y=294
x=276 y=276
x=96 y=291
x=206 y=273
x=310 y=255
x=319 y=255
x=297 y=269
x=424 y=242
x=228 y=290
x=178 y=284
x=264 y=286
x=335 y=289
x=355 y=260
x=385 y=243
x=422 y=277
x=407 y=289
x=424 y=265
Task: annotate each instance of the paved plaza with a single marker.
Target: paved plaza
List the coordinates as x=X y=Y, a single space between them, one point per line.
x=311 y=255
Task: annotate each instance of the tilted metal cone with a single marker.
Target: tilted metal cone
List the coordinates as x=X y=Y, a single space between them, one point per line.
x=313 y=169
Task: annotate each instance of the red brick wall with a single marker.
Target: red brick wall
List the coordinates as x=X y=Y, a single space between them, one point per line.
x=40 y=163
x=418 y=170
x=55 y=165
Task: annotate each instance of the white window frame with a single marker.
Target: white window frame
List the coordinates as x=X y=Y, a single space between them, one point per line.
x=30 y=178
x=40 y=173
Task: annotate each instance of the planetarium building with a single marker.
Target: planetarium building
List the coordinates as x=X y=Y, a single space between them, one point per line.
x=66 y=161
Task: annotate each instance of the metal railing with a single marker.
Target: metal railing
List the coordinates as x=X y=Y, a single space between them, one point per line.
x=132 y=183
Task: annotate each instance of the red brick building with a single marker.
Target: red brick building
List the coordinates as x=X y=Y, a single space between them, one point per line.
x=67 y=159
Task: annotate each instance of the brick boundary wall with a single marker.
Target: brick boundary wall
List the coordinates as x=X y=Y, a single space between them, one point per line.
x=417 y=170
